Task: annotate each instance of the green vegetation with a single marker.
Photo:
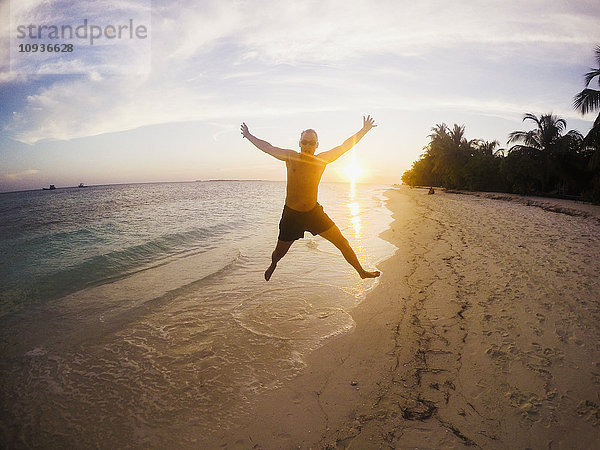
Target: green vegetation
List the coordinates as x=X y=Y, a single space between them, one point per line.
x=545 y=160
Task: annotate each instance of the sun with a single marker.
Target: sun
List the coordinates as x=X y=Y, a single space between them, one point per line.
x=353 y=172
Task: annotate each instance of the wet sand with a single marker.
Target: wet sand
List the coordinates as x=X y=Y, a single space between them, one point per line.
x=484 y=331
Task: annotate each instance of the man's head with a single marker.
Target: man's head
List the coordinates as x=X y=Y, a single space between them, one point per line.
x=309 y=141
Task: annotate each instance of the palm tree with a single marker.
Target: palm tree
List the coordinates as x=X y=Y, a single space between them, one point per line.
x=545 y=143
x=547 y=138
x=449 y=150
x=451 y=141
x=488 y=148
x=457 y=136
x=587 y=101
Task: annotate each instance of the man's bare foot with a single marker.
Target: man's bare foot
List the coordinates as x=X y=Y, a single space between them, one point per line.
x=269 y=272
x=366 y=274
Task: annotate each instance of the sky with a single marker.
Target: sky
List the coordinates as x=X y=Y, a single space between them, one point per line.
x=169 y=107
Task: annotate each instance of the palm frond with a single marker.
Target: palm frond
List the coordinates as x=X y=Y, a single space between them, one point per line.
x=554 y=126
x=569 y=143
x=574 y=134
x=529 y=138
x=500 y=152
x=457 y=134
x=533 y=140
x=533 y=117
x=485 y=147
x=591 y=75
x=440 y=130
x=522 y=149
x=516 y=136
x=597 y=52
x=587 y=100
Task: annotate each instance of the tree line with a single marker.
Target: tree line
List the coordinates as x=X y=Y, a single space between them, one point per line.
x=545 y=160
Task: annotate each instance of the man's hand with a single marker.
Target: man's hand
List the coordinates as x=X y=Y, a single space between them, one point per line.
x=368 y=123
x=333 y=154
x=276 y=152
x=245 y=132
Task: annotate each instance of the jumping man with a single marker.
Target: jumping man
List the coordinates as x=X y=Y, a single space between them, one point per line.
x=301 y=211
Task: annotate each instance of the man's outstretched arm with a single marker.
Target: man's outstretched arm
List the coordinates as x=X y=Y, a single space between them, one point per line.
x=279 y=153
x=336 y=152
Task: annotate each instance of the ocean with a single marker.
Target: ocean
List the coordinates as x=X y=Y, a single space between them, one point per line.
x=138 y=314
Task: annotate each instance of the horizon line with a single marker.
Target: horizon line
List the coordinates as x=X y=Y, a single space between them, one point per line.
x=170 y=182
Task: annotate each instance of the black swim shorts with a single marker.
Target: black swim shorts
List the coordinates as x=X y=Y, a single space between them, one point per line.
x=294 y=223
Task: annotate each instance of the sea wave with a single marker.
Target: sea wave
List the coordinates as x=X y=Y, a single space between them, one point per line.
x=99 y=269
x=112 y=303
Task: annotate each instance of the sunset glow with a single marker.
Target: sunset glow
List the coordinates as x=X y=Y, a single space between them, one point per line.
x=216 y=63
x=353 y=172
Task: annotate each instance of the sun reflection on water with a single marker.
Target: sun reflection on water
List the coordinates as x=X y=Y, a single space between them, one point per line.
x=353 y=170
x=355 y=222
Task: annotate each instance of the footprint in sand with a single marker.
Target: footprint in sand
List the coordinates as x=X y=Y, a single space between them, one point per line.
x=590 y=411
x=540 y=317
x=528 y=404
x=496 y=353
x=562 y=334
x=547 y=306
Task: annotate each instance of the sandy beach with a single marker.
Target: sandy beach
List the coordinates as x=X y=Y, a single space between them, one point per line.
x=484 y=331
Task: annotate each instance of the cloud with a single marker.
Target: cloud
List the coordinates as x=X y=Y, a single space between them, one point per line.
x=20 y=175
x=226 y=59
x=79 y=24
x=5 y=42
x=339 y=30
x=12 y=77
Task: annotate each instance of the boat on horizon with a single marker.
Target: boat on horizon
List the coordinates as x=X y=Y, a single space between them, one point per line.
x=81 y=185
x=51 y=188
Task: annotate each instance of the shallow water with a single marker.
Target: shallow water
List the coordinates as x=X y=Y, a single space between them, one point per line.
x=142 y=315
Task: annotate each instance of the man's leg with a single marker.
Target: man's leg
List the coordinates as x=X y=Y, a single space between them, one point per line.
x=281 y=249
x=334 y=235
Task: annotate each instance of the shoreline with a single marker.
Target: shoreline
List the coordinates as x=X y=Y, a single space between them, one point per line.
x=471 y=338
x=557 y=205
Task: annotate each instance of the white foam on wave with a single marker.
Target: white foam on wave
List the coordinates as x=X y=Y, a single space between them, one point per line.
x=88 y=312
